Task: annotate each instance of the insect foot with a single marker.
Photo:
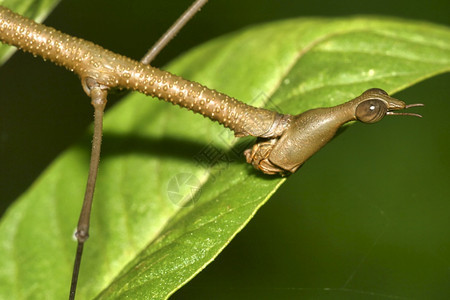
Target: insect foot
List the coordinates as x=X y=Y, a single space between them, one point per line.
x=259 y=154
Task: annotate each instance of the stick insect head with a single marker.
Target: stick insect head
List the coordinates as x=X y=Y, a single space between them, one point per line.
x=311 y=130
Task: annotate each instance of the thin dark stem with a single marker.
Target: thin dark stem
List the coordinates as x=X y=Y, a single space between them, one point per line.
x=98 y=97
x=76 y=270
x=172 y=31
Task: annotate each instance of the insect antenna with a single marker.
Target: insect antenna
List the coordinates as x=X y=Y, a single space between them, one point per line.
x=391 y=113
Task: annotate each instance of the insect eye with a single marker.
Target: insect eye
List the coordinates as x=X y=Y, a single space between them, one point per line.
x=371 y=111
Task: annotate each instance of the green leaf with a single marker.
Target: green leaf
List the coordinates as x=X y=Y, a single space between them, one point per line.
x=37 y=10
x=173 y=187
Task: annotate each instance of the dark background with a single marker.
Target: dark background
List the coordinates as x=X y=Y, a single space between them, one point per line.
x=368 y=217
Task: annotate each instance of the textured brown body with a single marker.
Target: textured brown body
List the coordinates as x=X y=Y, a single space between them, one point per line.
x=112 y=70
x=286 y=141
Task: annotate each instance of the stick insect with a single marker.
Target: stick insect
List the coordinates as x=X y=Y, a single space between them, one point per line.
x=260 y=155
